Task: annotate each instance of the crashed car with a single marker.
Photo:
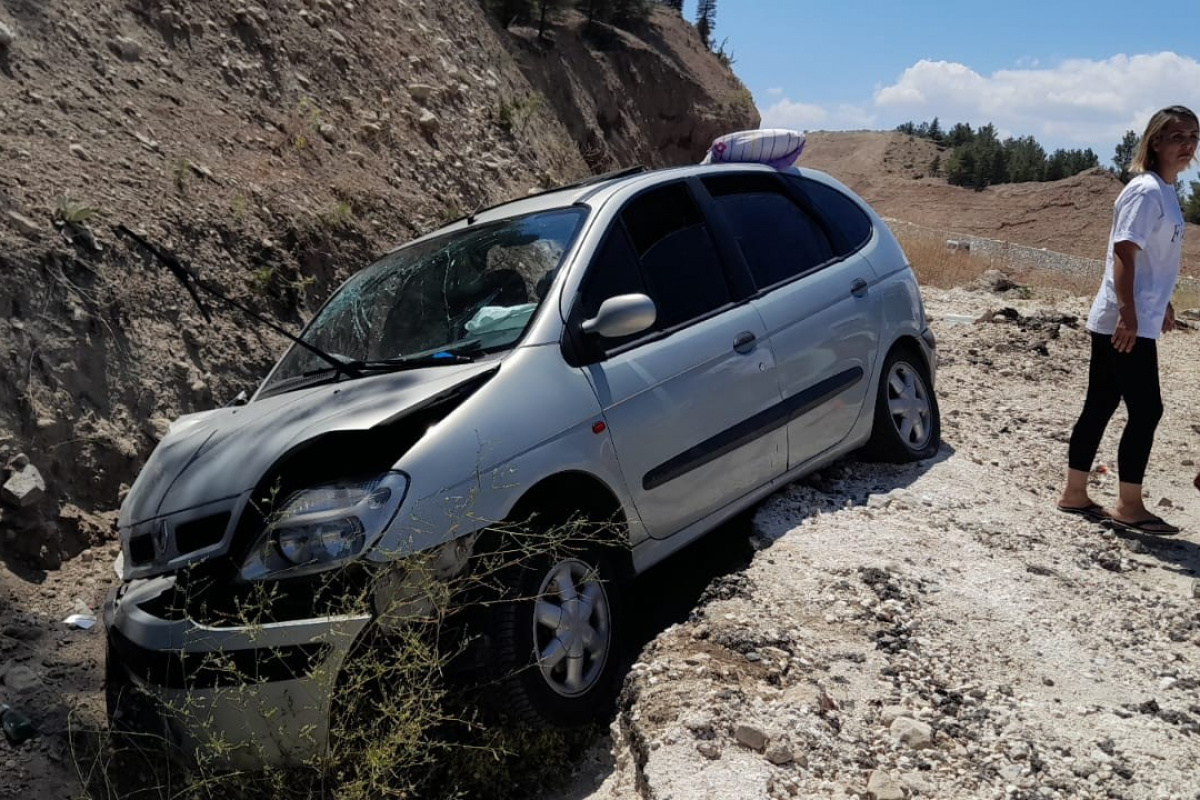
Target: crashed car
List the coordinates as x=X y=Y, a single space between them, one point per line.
x=657 y=350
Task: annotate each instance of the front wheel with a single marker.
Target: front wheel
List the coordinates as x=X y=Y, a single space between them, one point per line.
x=907 y=424
x=555 y=641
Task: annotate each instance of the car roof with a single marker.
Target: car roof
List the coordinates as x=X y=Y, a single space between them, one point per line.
x=595 y=190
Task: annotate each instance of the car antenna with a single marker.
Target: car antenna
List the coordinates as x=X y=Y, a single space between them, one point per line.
x=191 y=282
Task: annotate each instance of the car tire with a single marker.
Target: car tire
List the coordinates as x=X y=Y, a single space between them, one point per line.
x=556 y=641
x=907 y=425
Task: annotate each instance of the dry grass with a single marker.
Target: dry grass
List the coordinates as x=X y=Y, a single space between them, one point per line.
x=942 y=267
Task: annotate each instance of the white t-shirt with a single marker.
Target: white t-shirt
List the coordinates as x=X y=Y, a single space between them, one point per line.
x=1147 y=214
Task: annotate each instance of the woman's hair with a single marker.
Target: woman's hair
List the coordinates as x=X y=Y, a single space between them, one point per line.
x=1146 y=160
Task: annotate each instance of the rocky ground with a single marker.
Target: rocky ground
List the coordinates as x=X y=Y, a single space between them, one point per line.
x=939 y=630
x=935 y=630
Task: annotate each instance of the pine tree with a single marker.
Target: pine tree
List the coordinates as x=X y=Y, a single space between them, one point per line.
x=960 y=134
x=1191 y=206
x=935 y=131
x=1124 y=154
x=706 y=20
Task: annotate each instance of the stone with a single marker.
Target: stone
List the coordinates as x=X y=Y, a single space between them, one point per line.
x=912 y=733
x=7 y=37
x=21 y=678
x=882 y=786
x=24 y=487
x=420 y=91
x=27 y=227
x=750 y=736
x=78 y=151
x=709 y=750
x=429 y=122
x=126 y=49
x=780 y=753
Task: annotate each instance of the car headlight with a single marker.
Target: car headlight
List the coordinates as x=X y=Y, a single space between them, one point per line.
x=324 y=526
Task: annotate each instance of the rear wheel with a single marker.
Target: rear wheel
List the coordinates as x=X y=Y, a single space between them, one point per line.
x=907 y=424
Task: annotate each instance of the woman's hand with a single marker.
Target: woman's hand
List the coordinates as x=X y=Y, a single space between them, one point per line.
x=1169 y=319
x=1125 y=336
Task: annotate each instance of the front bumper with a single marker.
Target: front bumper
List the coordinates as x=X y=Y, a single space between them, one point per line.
x=237 y=696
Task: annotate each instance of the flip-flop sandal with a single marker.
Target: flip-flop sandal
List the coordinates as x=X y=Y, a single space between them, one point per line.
x=1155 y=526
x=1093 y=512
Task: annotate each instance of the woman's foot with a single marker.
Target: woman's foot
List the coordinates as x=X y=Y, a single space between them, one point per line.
x=1088 y=510
x=1145 y=524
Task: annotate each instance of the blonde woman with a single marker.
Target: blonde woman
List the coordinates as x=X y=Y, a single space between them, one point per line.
x=1131 y=310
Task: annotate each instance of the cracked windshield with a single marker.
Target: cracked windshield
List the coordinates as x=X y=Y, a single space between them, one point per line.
x=471 y=291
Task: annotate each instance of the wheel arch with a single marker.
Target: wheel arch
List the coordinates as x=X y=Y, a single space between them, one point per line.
x=558 y=497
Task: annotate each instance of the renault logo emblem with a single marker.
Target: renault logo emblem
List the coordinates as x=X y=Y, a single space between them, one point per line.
x=160 y=537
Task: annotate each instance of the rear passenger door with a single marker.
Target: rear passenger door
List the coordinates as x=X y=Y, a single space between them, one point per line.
x=689 y=403
x=813 y=293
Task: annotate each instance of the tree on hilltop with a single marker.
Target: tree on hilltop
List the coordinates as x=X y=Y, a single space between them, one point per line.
x=1124 y=154
x=706 y=20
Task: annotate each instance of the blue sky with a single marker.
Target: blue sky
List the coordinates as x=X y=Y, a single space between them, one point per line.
x=1072 y=74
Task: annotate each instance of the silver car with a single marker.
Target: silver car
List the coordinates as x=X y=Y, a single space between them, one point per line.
x=654 y=350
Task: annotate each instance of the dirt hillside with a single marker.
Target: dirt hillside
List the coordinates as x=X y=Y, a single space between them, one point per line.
x=890 y=170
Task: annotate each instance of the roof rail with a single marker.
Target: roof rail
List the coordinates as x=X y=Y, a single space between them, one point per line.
x=588 y=181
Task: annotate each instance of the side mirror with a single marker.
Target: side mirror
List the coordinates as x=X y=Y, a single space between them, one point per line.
x=623 y=315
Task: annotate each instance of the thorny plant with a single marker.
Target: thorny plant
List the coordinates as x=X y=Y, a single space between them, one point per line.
x=400 y=726
x=70 y=210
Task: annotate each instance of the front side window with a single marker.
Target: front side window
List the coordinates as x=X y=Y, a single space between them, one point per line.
x=678 y=258
x=473 y=290
x=778 y=239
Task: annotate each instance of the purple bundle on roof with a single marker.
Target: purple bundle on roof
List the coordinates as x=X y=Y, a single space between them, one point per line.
x=776 y=147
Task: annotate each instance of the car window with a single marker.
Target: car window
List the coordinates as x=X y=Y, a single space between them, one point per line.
x=614 y=271
x=678 y=258
x=843 y=215
x=778 y=238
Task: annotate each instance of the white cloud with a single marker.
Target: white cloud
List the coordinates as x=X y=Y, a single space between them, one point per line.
x=786 y=113
x=1077 y=103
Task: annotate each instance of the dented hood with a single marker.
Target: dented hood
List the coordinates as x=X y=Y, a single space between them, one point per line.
x=218 y=454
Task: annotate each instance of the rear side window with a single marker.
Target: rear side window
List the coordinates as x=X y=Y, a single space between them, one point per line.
x=850 y=224
x=678 y=259
x=777 y=237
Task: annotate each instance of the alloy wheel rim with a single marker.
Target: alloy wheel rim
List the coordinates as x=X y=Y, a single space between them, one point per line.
x=572 y=629
x=909 y=406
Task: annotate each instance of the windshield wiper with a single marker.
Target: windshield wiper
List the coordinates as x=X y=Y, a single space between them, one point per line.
x=191 y=282
x=442 y=358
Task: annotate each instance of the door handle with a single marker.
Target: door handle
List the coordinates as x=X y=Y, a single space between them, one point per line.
x=858 y=288
x=744 y=342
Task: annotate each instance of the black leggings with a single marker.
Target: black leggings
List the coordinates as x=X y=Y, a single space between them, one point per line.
x=1113 y=377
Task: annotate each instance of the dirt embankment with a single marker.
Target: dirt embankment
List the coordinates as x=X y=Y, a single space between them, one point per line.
x=891 y=171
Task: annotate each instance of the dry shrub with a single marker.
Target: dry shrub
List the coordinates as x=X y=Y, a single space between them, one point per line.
x=939 y=266
x=399 y=727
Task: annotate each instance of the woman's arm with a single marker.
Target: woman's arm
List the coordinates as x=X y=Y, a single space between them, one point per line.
x=1125 y=335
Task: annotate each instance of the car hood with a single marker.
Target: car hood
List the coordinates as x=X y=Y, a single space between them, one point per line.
x=219 y=454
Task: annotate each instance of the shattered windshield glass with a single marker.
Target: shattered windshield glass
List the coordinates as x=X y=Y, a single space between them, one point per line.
x=470 y=291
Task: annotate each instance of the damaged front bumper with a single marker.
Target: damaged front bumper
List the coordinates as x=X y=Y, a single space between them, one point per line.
x=238 y=694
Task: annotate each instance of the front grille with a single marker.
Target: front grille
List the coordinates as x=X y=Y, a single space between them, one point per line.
x=141 y=549
x=175 y=669
x=203 y=532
